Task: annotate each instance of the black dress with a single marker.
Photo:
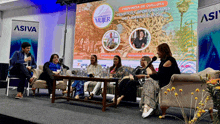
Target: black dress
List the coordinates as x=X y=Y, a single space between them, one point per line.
x=164 y=73
x=128 y=87
x=138 y=43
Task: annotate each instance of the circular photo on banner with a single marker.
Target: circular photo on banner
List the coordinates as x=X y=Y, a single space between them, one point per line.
x=103 y=15
x=111 y=40
x=139 y=39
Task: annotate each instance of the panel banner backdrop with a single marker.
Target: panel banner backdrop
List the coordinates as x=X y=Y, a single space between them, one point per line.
x=134 y=28
x=24 y=31
x=208 y=37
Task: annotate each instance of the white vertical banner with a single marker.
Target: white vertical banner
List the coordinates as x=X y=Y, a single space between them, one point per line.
x=24 y=31
x=208 y=37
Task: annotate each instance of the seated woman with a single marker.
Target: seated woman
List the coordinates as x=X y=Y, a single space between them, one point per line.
x=168 y=66
x=116 y=70
x=94 y=70
x=50 y=69
x=128 y=86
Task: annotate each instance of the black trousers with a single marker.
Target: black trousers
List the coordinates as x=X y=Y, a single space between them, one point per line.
x=22 y=72
x=48 y=77
x=128 y=88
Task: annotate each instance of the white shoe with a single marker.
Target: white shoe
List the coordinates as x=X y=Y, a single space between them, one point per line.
x=215 y=110
x=50 y=96
x=144 y=115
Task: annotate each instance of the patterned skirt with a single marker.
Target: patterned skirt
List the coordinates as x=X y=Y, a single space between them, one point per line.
x=149 y=93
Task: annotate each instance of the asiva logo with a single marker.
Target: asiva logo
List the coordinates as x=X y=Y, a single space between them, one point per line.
x=25 y=28
x=211 y=16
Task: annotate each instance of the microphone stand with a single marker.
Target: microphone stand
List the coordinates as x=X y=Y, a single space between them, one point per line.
x=65 y=31
x=67 y=3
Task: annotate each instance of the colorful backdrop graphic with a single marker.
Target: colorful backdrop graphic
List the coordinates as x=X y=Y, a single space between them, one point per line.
x=208 y=41
x=170 y=21
x=24 y=31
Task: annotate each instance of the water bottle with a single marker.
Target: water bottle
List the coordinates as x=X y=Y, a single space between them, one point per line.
x=84 y=71
x=108 y=72
x=104 y=72
x=97 y=71
x=61 y=70
x=81 y=71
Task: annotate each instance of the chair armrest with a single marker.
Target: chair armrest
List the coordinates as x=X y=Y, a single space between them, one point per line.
x=180 y=79
x=36 y=72
x=188 y=83
x=185 y=78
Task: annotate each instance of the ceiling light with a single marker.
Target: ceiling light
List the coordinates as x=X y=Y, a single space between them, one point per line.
x=7 y=1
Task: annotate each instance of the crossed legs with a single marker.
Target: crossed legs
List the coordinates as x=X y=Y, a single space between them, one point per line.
x=22 y=72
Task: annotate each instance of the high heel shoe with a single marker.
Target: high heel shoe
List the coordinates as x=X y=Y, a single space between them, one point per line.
x=88 y=98
x=119 y=100
x=71 y=91
x=91 y=96
x=113 y=100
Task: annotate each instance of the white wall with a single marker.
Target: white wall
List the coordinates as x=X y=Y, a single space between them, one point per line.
x=0 y=24
x=51 y=32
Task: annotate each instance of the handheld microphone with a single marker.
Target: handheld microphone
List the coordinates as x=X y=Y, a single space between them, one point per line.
x=29 y=54
x=153 y=59
x=61 y=61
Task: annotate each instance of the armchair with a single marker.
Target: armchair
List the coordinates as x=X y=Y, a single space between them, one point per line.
x=188 y=83
x=42 y=83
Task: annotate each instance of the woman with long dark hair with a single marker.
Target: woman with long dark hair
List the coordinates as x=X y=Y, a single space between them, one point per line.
x=168 y=66
x=140 y=41
x=116 y=70
x=128 y=85
x=94 y=70
x=50 y=69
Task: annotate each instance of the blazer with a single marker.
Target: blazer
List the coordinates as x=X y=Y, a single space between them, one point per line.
x=18 y=57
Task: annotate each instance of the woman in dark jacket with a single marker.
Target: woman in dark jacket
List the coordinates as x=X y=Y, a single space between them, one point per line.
x=51 y=68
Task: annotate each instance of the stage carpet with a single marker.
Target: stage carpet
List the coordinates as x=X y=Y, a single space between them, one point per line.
x=39 y=109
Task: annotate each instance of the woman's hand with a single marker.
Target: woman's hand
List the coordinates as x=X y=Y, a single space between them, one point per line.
x=56 y=73
x=142 y=45
x=131 y=77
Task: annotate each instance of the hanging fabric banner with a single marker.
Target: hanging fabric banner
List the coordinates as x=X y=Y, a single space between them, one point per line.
x=24 y=31
x=208 y=37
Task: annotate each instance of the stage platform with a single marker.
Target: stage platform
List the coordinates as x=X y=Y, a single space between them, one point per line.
x=39 y=109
